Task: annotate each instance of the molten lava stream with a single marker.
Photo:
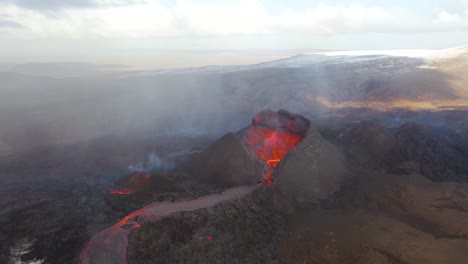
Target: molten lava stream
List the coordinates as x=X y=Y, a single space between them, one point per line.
x=271 y=146
x=120 y=192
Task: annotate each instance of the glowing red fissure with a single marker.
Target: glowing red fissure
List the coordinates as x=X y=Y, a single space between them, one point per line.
x=271 y=146
x=120 y=192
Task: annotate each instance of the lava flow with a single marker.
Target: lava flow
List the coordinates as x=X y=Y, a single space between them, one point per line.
x=110 y=245
x=271 y=145
x=120 y=192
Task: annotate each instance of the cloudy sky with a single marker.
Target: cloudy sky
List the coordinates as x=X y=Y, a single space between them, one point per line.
x=41 y=29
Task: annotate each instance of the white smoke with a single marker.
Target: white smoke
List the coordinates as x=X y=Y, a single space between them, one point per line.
x=153 y=164
x=21 y=248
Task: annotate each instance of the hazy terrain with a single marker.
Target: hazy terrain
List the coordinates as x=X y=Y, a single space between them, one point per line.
x=49 y=103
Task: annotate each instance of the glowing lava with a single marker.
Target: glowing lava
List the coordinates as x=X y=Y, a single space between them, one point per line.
x=120 y=192
x=138 y=181
x=270 y=146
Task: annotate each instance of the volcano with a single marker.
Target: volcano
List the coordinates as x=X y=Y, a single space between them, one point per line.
x=252 y=154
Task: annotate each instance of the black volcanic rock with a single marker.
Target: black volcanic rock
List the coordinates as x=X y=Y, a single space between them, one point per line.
x=438 y=152
x=430 y=152
x=236 y=231
x=367 y=145
x=370 y=140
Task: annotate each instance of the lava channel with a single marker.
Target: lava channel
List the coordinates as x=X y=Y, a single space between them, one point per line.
x=110 y=245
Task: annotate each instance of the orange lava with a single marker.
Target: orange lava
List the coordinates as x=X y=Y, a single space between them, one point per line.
x=271 y=146
x=120 y=192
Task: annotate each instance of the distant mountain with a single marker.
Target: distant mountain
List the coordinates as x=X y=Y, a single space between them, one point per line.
x=383 y=79
x=58 y=70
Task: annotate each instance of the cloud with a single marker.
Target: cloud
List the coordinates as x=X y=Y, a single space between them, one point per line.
x=48 y=5
x=150 y=19
x=447 y=21
x=8 y=23
x=223 y=18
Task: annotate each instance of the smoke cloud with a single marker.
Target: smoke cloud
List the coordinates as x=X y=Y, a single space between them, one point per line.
x=154 y=164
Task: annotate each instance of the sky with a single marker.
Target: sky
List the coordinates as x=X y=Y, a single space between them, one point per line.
x=105 y=30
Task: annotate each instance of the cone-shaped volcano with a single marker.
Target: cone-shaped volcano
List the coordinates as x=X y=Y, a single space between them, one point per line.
x=252 y=154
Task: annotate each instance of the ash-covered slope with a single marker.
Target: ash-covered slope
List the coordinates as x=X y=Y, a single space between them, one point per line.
x=226 y=163
x=312 y=171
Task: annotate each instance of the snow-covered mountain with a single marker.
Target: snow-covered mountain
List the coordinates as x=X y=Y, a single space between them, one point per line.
x=399 y=57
